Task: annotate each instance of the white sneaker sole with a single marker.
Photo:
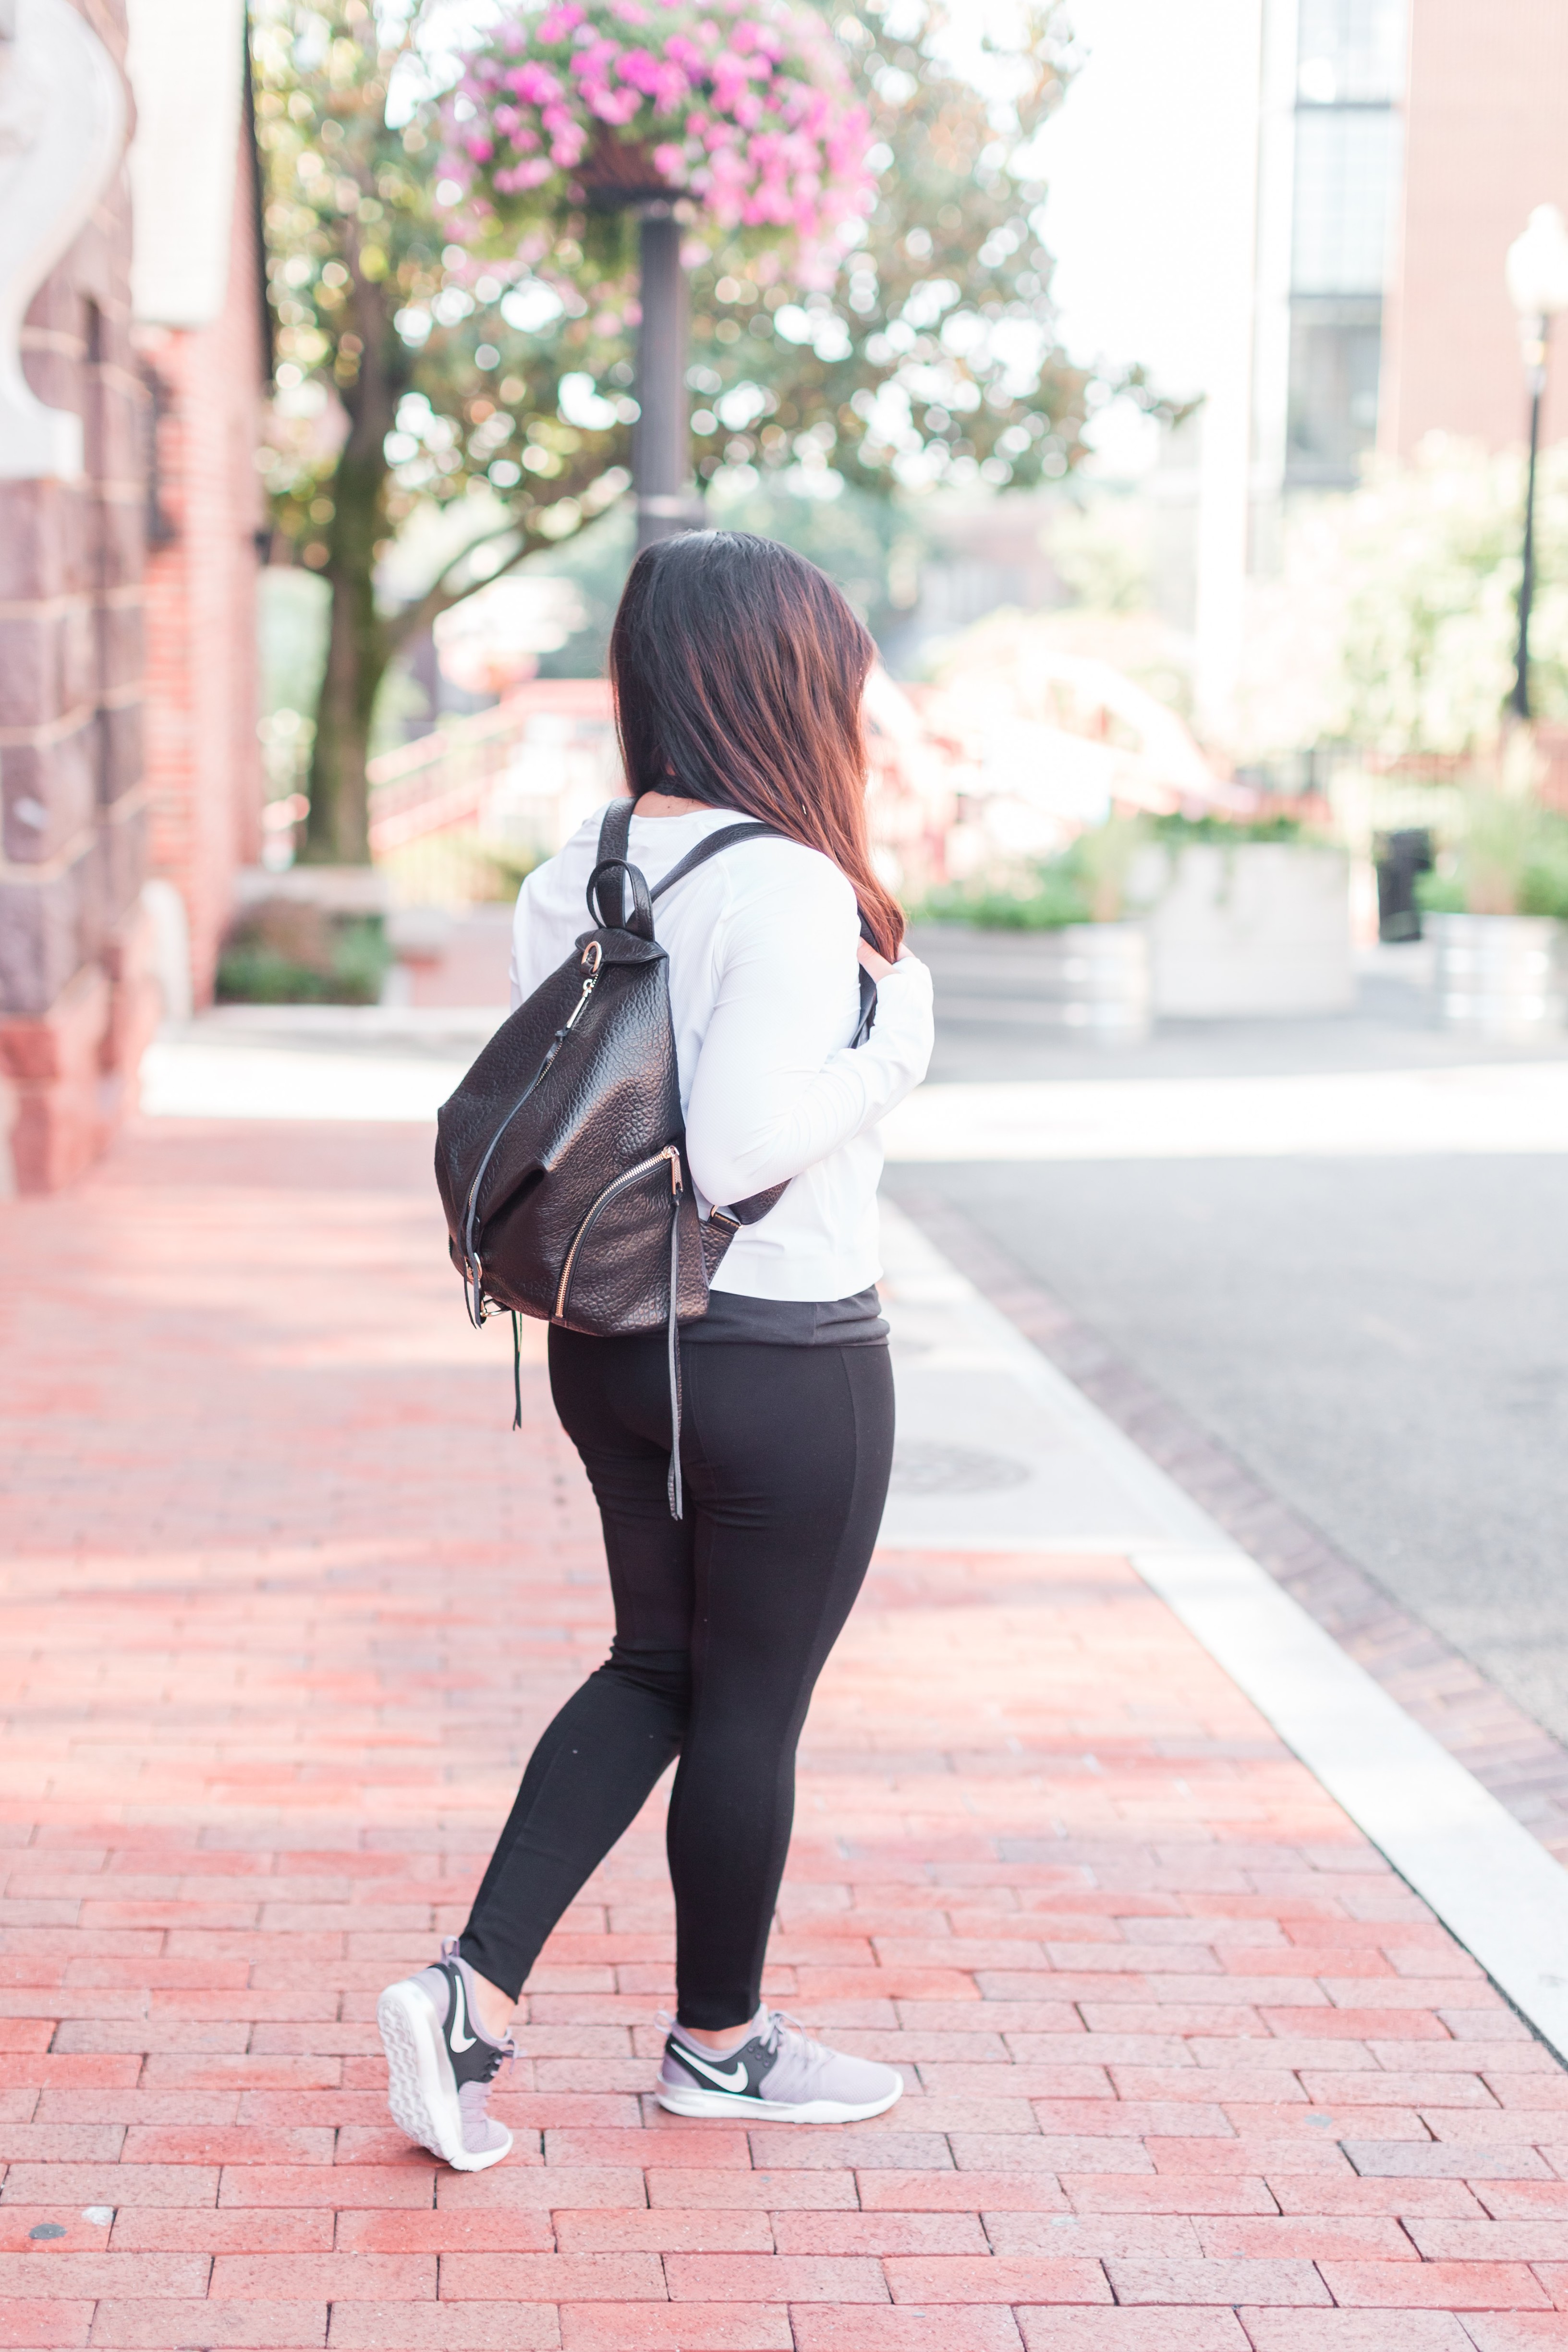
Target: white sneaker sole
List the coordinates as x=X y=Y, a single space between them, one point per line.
x=696 y=2101
x=418 y=2081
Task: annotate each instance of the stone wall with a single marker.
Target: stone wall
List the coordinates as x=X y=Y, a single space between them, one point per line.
x=76 y=1000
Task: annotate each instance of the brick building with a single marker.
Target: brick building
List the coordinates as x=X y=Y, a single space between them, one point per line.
x=201 y=334
x=1486 y=112
x=113 y=433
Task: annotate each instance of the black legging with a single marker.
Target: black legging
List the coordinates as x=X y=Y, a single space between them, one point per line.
x=723 y=1621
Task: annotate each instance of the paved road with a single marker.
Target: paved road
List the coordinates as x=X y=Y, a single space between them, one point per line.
x=1383 y=1341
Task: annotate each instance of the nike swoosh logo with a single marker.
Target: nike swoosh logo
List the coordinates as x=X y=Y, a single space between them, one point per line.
x=460 y=2037
x=732 y=2082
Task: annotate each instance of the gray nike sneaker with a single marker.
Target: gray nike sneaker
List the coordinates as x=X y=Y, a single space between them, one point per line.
x=776 y=2073
x=441 y=2064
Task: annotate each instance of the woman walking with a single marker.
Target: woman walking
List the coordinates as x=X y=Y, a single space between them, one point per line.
x=737 y=670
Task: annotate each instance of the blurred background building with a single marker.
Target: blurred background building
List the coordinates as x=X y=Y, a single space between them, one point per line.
x=1296 y=211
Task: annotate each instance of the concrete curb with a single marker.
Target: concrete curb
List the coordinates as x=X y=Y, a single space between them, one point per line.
x=1494 y=1887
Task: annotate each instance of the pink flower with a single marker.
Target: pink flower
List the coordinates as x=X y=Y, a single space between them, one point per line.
x=615 y=105
x=534 y=83
x=593 y=59
x=662 y=81
x=769 y=136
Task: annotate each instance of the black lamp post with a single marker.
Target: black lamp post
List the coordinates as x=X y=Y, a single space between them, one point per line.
x=621 y=176
x=1537 y=272
x=661 y=443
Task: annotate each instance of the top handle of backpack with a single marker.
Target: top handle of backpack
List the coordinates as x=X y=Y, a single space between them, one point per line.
x=613 y=916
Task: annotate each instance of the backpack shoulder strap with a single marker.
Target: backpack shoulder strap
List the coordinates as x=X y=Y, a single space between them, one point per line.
x=614 y=838
x=725 y=838
x=616 y=832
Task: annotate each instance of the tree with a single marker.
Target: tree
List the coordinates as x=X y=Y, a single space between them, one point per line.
x=931 y=360
x=423 y=390
x=1392 y=625
x=453 y=379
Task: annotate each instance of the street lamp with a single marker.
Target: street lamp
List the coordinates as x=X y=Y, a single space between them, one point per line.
x=661 y=441
x=1537 y=274
x=622 y=176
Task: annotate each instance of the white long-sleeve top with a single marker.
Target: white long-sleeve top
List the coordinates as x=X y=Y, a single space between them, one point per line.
x=764 y=995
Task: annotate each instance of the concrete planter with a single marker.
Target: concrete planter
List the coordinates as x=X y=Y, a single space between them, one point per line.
x=1259 y=928
x=1499 y=975
x=1089 y=980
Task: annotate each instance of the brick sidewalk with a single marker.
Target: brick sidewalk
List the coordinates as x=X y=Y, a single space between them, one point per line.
x=1188 y=2070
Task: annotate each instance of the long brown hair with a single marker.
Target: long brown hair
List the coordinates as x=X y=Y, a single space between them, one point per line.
x=737 y=669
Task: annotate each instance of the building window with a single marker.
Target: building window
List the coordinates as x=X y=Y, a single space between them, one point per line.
x=156 y=407
x=1344 y=188
x=1349 y=59
x=1351 y=52
x=1331 y=421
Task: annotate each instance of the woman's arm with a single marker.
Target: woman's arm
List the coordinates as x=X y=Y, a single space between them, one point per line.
x=777 y=1087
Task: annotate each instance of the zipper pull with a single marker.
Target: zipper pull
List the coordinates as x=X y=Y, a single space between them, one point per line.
x=673 y=1156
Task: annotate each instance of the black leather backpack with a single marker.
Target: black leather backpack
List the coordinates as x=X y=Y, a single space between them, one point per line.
x=560 y=1158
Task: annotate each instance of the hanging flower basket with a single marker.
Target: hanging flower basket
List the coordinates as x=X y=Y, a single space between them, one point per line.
x=617 y=172
x=745 y=107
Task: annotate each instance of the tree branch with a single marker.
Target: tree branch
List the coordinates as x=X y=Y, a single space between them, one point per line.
x=439 y=597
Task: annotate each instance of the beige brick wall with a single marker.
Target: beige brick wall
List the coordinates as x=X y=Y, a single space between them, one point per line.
x=71 y=668
x=76 y=999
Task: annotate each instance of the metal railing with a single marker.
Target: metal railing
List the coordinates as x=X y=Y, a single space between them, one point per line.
x=460 y=815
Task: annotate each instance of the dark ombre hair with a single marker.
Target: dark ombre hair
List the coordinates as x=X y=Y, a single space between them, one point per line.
x=737 y=669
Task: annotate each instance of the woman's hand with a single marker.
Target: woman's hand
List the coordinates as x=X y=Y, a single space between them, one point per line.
x=877 y=965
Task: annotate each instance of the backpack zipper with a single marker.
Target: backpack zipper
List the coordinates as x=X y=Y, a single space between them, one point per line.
x=631 y=1175
x=473 y=1271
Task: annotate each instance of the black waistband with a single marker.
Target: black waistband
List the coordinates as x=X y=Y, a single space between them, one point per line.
x=855 y=1322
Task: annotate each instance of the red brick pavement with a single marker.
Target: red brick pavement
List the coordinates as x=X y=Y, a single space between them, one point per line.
x=1188 y=2069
